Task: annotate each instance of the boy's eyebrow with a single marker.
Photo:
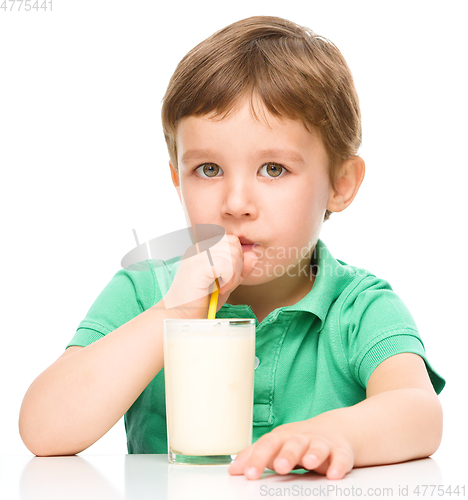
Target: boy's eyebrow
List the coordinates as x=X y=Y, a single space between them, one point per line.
x=289 y=154
x=195 y=154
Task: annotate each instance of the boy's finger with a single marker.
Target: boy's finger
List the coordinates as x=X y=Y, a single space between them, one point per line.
x=250 y=260
x=318 y=452
x=291 y=453
x=238 y=466
x=341 y=463
x=263 y=453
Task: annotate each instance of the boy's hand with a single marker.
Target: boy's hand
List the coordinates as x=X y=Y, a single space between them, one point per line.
x=189 y=293
x=305 y=444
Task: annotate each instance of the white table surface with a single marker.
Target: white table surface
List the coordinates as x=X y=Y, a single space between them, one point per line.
x=117 y=477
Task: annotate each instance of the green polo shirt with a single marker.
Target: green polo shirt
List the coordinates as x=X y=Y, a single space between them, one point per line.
x=314 y=356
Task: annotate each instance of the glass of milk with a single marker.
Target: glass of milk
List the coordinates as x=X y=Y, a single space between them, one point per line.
x=209 y=377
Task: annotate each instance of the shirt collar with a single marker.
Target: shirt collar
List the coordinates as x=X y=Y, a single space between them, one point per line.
x=332 y=277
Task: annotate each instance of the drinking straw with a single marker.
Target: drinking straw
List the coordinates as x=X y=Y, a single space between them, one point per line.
x=213 y=301
x=214 y=293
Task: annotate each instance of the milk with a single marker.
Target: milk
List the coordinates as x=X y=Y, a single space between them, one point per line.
x=209 y=376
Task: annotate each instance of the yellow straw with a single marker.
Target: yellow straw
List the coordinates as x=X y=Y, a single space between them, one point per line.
x=213 y=301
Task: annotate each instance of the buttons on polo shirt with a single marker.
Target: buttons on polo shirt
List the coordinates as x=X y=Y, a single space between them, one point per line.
x=257 y=362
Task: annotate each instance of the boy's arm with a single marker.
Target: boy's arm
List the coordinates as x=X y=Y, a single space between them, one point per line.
x=400 y=420
x=87 y=390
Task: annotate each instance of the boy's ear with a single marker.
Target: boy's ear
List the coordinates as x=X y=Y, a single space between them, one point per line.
x=348 y=184
x=175 y=180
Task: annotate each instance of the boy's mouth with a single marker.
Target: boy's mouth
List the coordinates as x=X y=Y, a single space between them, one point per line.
x=248 y=248
x=247 y=245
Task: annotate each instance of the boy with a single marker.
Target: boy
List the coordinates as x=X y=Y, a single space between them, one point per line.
x=262 y=124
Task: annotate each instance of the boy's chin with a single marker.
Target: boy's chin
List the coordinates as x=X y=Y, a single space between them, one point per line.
x=255 y=278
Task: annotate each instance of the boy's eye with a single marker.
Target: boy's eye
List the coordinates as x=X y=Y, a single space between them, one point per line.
x=273 y=169
x=208 y=170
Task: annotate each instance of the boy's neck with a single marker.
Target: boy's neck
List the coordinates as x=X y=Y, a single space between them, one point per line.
x=283 y=291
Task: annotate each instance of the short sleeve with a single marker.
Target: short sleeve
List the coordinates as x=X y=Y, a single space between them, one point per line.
x=378 y=325
x=128 y=294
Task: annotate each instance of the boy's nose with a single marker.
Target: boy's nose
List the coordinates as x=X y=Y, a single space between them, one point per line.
x=239 y=200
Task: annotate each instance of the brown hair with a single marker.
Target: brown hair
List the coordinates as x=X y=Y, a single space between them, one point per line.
x=294 y=72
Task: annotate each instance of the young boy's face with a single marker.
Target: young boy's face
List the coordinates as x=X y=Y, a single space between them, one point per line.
x=265 y=182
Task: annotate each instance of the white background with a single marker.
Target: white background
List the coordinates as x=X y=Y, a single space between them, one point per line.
x=83 y=162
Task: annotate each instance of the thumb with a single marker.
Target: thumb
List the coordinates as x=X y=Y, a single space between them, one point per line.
x=250 y=261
